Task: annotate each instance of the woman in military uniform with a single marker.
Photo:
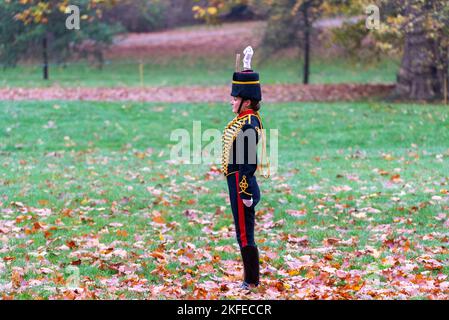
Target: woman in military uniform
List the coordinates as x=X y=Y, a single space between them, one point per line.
x=239 y=164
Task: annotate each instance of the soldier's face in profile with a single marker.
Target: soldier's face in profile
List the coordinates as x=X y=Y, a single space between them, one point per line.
x=235 y=103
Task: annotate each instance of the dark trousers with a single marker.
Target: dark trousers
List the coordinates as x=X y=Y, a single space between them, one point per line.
x=244 y=217
x=244 y=220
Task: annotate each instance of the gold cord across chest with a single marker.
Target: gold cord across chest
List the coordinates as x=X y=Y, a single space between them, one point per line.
x=229 y=134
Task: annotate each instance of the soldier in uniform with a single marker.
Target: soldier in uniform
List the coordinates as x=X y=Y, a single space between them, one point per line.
x=239 y=164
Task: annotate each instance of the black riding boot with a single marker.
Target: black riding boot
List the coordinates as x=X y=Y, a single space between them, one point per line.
x=250 y=257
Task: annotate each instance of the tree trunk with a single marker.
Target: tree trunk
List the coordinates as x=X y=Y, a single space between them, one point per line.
x=45 y=57
x=423 y=74
x=306 y=69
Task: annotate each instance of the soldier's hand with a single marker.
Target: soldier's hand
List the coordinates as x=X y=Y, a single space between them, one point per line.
x=248 y=202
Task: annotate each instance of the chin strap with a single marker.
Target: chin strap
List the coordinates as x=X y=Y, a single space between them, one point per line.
x=240 y=107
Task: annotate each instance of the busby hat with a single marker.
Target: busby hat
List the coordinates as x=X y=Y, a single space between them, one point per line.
x=246 y=83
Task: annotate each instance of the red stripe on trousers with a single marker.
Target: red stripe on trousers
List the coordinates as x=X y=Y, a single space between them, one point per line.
x=241 y=212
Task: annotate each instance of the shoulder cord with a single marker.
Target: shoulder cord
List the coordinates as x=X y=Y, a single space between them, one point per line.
x=264 y=151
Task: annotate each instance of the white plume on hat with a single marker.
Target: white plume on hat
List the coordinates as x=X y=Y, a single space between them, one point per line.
x=248 y=52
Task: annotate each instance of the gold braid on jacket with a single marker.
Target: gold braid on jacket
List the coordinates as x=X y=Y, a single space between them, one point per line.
x=229 y=135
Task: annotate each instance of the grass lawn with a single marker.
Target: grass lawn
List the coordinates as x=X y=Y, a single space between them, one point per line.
x=358 y=208
x=204 y=72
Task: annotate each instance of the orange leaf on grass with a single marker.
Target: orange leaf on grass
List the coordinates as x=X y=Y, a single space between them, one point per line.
x=122 y=233
x=331 y=241
x=71 y=244
x=21 y=218
x=9 y=258
x=158 y=219
x=37 y=225
x=66 y=212
x=16 y=278
x=43 y=202
x=395 y=178
x=107 y=251
x=157 y=255
x=76 y=262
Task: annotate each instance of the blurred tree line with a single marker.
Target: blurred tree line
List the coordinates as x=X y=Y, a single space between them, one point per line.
x=417 y=30
x=31 y=26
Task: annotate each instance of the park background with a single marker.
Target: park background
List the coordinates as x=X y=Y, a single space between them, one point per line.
x=92 y=207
